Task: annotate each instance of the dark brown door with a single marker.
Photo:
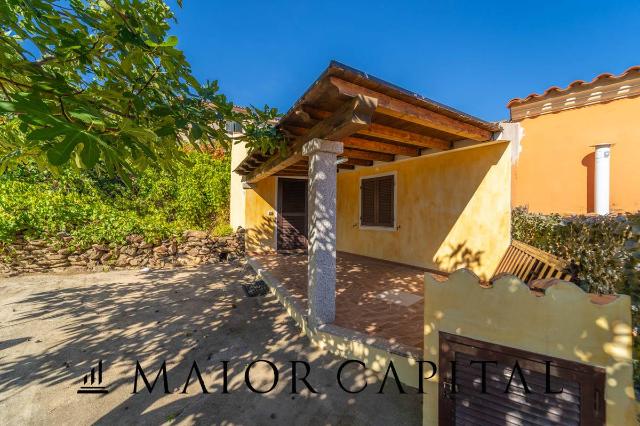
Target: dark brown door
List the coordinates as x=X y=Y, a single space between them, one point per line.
x=292 y=214
x=463 y=402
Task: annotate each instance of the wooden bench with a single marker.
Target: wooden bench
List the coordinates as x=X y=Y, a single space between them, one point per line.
x=529 y=264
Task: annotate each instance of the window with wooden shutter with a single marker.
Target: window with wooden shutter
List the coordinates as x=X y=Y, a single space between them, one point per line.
x=377 y=201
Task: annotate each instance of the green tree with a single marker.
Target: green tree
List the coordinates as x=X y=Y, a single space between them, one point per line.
x=101 y=84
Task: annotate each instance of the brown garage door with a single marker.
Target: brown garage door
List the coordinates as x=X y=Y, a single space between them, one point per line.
x=292 y=214
x=581 y=401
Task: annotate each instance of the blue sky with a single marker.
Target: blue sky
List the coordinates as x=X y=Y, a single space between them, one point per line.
x=471 y=55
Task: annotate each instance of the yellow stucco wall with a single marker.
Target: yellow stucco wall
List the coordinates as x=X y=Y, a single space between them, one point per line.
x=554 y=169
x=237 y=199
x=574 y=329
x=453 y=210
x=260 y=216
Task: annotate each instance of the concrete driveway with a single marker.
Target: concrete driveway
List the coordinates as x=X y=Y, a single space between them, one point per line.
x=55 y=328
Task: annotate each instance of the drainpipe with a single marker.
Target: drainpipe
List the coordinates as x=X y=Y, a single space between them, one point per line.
x=602 y=177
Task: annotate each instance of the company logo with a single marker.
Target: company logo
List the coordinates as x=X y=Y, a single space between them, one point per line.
x=300 y=377
x=94 y=385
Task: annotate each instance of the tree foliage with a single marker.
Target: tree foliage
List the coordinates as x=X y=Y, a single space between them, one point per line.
x=604 y=252
x=97 y=209
x=101 y=83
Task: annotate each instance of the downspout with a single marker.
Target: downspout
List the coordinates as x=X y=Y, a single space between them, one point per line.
x=602 y=178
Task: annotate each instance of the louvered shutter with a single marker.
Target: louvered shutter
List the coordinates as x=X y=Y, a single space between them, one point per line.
x=377 y=201
x=581 y=401
x=367 y=202
x=385 y=201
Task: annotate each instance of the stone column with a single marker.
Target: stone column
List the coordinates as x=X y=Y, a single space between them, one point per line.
x=322 y=229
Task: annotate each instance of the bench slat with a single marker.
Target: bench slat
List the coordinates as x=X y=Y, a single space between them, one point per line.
x=529 y=263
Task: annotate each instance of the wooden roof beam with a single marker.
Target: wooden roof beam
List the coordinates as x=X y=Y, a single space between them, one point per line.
x=358 y=162
x=346 y=166
x=405 y=111
x=404 y=136
x=366 y=155
x=348 y=119
x=383 y=132
x=383 y=147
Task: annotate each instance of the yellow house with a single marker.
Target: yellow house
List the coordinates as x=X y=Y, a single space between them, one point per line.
x=355 y=228
x=445 y=200
x=577 y=150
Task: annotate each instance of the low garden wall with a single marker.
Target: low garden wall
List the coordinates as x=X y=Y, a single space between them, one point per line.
x=565 y=323
x=60 y=254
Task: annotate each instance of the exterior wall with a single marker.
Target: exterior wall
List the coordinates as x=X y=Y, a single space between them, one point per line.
x=453 y=211
x=554 y=171
x=576 y=330
x=238 y=195
x=260 y=216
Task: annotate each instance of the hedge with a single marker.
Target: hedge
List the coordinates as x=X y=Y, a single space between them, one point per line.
x=604 y=252
x=100 y=209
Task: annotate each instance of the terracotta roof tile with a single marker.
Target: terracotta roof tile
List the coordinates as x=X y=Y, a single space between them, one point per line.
x=572 y=85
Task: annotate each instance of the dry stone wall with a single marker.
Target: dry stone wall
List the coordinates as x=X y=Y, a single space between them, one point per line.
x=59 y=254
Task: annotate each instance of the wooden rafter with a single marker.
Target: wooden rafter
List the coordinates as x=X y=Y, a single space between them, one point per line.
x=383 y=147
x=408 y=112
x=404 y=136
x=358 y=162
x=366 y=155
x=315 y=113
x=345 y=121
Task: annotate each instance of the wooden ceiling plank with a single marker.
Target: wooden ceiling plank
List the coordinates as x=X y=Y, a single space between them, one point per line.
x=408 y=112
x=352 y=116
x=383 y=147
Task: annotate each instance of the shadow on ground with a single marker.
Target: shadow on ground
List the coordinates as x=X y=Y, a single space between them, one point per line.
x=55 y=328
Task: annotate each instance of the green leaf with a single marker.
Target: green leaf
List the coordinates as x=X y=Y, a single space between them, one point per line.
x=89 y=154
x=161 y=110
x=86 y=117
x=171 y=41
x=196 y=131
x=45 y=133
x=140 y=133
x=60 y=152
x=165 y=131
x=7 y=106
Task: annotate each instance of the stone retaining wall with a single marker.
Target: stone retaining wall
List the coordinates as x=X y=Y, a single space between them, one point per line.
x=195 y=248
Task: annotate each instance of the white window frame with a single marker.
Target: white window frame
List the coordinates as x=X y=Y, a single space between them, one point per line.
x=395 y=203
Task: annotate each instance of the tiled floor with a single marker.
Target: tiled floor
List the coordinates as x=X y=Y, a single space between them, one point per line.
x=362 y=285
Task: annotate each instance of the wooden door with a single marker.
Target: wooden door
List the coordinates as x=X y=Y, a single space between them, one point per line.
x=292 y=214
x=581 y=401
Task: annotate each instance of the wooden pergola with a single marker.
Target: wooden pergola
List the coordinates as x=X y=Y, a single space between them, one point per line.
x=375 y=121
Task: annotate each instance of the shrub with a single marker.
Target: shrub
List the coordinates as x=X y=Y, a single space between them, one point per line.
x=604 y=252
x=100 y=209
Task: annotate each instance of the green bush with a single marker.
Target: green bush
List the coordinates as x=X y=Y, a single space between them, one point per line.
x=604 y=252
x=100 y=209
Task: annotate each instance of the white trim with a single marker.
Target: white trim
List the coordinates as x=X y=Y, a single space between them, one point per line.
x=275 y=234
x=393 y=228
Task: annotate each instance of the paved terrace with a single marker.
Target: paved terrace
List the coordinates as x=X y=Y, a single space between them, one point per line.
x=374 y=297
